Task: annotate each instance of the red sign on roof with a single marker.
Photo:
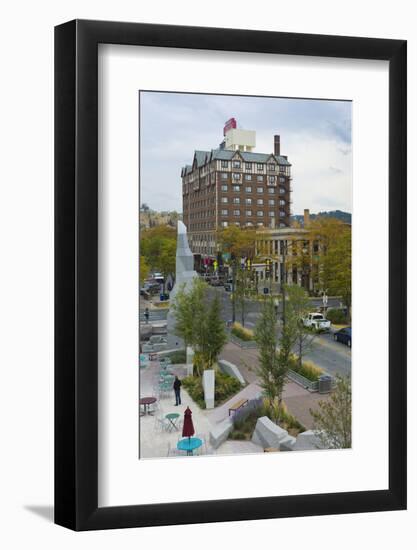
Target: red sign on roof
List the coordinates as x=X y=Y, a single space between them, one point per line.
x=231 y=123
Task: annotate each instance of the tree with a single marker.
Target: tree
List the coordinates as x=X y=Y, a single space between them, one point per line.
x=298 y=306
x=143 y=269
x=333 y=420
x=199 y=323
x=272 y=364
x=158 y=247
x=167 y=258
x=243 y=282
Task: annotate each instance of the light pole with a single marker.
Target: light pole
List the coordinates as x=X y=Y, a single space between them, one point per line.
x=325 y=299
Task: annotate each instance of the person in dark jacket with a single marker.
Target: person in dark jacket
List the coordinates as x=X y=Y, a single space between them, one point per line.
x=177 y=390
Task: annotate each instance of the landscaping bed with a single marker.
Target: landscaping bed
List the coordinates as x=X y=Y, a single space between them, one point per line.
x=244 y=421
x=225 y=387
x=307 y=369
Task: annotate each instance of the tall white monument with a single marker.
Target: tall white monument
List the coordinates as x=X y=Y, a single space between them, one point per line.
x=184 y=276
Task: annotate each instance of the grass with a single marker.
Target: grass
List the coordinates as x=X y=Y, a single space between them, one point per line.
x=307 y=369
x=241 y=332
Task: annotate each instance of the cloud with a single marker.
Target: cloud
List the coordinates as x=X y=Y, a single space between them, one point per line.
x=315 y=134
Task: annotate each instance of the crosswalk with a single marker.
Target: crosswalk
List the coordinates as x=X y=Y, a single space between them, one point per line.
x=154 y=315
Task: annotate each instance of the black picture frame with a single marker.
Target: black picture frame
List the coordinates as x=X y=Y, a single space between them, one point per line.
x=76 y=271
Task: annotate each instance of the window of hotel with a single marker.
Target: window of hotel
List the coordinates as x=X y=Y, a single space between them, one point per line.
x=281 y=179
x=249 y=224
x=225 y=200
x=224 y=176
x=282 y=213
x=271 y=190
x=260 y=213
x=224 y=164
x=236 y=212
x=248 y=189
x=225 y=212
x=283 y=224
x=225 y=224
x=260 y=178
x=282 y=202
x=248 y=201
x=236 y=164
x=248 y=177
x=224 y=187
x=259 y=189
x=281 y=190
x=260 y=201
x=249 y=213
x=271 y=202
x=236 y=188
x=260 y=167
x=271 y=167
x=271 y=180
x=248 y=166
x=236 y=200
x=282 y=169
x=260 y=224
x=236 y=177
x=272 y=214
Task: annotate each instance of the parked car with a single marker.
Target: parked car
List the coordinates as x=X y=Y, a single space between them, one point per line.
x=216 y=282
x=344 y=335
x=228 y=287
x=317 y=321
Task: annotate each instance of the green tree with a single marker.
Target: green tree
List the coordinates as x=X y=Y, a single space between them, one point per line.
x=273 y=366
x=297 y=308
x=143 y=269
x=167 y=259
x=333 y=419
x=215 y=331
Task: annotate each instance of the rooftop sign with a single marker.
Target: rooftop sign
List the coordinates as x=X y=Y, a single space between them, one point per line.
x=231 y=123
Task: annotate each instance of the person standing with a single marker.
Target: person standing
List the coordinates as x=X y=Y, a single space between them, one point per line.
x=146 y=315
x=177 y=390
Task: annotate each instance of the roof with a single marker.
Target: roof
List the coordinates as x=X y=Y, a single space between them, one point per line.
x=202 y=157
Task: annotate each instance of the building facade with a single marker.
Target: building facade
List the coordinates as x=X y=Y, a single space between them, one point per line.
x=233 y=185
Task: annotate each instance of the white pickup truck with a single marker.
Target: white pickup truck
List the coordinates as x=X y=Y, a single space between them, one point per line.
x=317 y=321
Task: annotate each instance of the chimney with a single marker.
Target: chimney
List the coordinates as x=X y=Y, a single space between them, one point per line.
x=277 y=146
x=306 y=217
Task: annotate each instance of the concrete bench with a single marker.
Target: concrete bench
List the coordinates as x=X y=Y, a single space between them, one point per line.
x=238 y=405
x=220 y=433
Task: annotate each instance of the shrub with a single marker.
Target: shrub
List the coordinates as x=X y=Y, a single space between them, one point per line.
x=308 y=369
x=336 y=316
x=241 y=332
x=178 y=356
x=194 y=386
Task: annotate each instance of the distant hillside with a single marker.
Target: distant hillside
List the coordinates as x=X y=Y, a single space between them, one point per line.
x=345 y=217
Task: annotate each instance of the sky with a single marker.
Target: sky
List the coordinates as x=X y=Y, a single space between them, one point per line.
x=315 y=135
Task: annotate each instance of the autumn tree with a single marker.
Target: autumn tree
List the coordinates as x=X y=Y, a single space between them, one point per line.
x=158 y=247
x=143 y=269
x=333 y=419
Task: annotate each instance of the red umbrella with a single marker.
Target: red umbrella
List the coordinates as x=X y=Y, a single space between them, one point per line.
x=188 y=427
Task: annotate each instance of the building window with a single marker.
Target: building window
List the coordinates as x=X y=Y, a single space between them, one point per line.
x=281 y=202
x=271 y=190
x=283 y=224
x=260 y=224
x=248 y=177
x=249 y=213
x=236 y=188
x=236 y=164
x=259 y=189
x=260 y=178
x=237 y=223
x=225 y=164
x=236 y=200
x=225 y=212
x=236 y=177
x=271 y=167
x=260 y=167
x=224 y=176
x=224 y=187
x=271 y=180
x=282 y=213
x=224 y=200
x=281 y=179
x=248 y=166
x=271 y=202
x=225 y=224
x=272 y=214
x=260 y=213
x=260 y=201
x=236 y=212
x=249 y=224
x=281 y=191
x=248 y=201
x=248 y=189
x=282 y=169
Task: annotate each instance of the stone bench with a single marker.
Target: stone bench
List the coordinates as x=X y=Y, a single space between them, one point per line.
x=268 y=434
x=220 y=433
x=231 y=370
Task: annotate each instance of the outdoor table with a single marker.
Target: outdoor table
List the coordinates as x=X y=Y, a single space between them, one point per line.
x=189 y=444
x=172 y=418
x=146 y=401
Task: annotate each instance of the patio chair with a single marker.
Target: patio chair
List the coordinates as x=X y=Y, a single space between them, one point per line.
x=161 y=423
x=173 y=451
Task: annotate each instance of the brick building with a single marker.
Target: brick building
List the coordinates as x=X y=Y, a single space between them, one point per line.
x=232 y=185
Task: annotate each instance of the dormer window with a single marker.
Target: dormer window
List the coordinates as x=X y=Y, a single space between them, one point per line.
x=236 y=164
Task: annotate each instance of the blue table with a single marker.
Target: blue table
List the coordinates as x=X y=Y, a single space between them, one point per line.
x=189 y=444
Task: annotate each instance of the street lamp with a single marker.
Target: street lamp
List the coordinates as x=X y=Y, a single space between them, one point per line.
x=325 y=299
